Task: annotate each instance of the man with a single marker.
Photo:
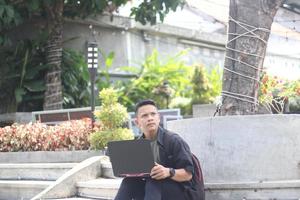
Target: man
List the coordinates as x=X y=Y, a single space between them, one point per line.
x=173 y=168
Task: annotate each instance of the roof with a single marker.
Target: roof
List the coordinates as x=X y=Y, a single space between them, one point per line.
x=292 y=5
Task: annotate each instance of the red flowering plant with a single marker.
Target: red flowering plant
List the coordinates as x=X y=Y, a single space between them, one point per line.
x=274 y=92
x=70 y=135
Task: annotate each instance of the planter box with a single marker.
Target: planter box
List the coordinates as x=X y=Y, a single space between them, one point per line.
x=204 y=110
x=47 y=156
x=10 y=118
x=246 y=157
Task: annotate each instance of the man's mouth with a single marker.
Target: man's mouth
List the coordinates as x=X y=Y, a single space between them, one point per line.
x=151 y=124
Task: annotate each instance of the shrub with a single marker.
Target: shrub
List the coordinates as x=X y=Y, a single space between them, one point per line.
x=70 y=135
x=206 y=85
x=153 y=76
x=112 y=117
x=274 y=93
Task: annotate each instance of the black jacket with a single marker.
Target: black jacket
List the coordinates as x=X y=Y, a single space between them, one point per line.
x=174 y=152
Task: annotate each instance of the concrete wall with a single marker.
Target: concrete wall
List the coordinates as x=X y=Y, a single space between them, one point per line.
x=244 y=148
x=204 y=110
x=47 y=156
x=132 y=42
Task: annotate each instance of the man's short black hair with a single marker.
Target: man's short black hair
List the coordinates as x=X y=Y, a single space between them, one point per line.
x=144 y=103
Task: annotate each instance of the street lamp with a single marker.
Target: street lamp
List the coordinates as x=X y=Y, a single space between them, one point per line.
x=165 y=91
x=92 y=61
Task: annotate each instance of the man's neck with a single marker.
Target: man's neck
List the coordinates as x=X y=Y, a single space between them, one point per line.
x=151 y=135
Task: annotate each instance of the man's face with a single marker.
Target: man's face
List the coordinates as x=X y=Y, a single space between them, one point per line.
x=147 y=120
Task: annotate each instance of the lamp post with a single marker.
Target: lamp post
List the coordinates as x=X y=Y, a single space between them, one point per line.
x=165 y=91
x=92 y=61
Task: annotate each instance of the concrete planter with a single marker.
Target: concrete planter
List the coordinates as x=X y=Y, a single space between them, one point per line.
x=204 y=110
x=47 y=156
x=246 y=157
x=10 y=118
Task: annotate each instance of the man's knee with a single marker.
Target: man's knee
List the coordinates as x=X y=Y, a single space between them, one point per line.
x=131 y=188
x=172 y=190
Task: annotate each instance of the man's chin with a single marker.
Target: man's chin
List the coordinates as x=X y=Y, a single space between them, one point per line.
x=152 y=128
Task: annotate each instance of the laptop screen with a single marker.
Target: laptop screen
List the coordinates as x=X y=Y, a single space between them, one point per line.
x=131 y=157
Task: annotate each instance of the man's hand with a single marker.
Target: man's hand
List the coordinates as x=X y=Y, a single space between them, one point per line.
x=159 y=172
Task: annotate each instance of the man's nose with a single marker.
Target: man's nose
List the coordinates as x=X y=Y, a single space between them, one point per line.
x=150 y=117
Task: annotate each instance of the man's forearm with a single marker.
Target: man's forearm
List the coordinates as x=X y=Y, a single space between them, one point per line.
x=182 y=175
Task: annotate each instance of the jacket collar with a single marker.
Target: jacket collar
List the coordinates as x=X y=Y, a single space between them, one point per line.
x=160 y=136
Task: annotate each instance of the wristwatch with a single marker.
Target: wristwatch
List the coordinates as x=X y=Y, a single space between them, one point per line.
x=172 y=172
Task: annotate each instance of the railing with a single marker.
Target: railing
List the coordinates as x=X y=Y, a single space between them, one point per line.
x=52 y=117
x=165 y=115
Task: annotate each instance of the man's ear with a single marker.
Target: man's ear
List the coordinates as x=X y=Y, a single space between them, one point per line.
x=136 y=122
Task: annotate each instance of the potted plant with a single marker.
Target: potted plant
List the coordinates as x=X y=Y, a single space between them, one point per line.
x=112 y=116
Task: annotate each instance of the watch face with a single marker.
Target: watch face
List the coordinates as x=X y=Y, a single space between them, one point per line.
x=172 y=172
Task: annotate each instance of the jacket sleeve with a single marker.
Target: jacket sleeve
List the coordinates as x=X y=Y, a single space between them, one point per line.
x=182 y=157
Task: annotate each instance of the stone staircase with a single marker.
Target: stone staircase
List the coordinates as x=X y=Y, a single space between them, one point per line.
x=23 y=175
x=90 y=179
x=24 y=180
x=101 y=188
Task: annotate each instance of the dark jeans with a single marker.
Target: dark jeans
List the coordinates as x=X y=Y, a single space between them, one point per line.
x=149 y=189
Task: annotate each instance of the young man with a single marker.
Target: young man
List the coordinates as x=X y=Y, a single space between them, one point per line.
x=173 y=168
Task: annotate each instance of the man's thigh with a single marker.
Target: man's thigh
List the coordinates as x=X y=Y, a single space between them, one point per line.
x=131 y=188
x=172 y=190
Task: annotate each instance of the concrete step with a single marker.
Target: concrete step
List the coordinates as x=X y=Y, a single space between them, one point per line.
x=34 y=171
x=254 y=190
x=21 y=190
x=75 y=198
x=101 y=188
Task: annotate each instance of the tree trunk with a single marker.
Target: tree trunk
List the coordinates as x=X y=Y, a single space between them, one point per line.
x=249 y=29
x=53 y=98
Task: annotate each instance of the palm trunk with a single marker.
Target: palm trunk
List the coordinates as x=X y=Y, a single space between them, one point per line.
x=53 y=95
x=248 y=33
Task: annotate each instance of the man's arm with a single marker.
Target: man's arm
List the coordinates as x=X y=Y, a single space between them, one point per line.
x=159 y=172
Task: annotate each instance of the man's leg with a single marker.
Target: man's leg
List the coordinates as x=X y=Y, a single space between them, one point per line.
x=172 y=190
x=153 y=189
x=131 y=188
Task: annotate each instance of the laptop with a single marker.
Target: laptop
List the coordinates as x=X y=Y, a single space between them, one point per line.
x=131 y=158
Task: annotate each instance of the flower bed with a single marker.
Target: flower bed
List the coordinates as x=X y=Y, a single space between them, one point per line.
x=69 y=135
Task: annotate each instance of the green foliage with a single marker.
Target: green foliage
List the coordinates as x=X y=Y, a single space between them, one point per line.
x=8 y=18
x=75 y=79
x=206 y=86
x=148 y=11
x=201 y=86
x=14 y=13
x=274 y=93
x=294 y=104
x=183 y=103
x=153 y=75
x=104 y=80
x=99 y=139
x=22 y=80
x=111 y=114
x=112 y=117
x=22 y=76
x=215 y=79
